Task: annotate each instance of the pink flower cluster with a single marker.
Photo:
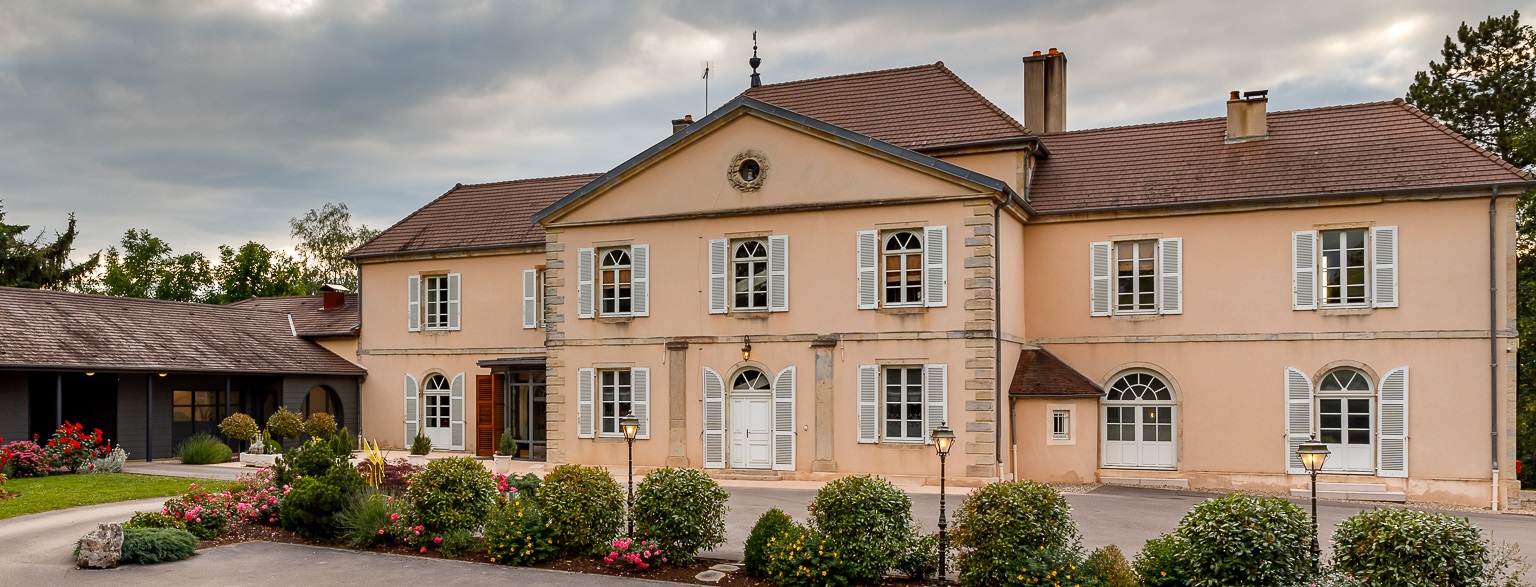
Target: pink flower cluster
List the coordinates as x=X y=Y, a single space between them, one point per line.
x=638 y=555
x=259 y=499
x=207 y=514
x=506 y=489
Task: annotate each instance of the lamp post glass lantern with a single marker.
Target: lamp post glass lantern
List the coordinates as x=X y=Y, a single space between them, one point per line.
x=631 y=427
x=943 y=439
x=1313 y=454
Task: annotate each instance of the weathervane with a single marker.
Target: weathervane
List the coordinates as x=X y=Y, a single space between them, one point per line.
x=754 y=62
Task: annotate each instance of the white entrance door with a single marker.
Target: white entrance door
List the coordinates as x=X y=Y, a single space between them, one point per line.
x=439 y=421
x=751 y=429
x=1139 y=423
x=1344 y=424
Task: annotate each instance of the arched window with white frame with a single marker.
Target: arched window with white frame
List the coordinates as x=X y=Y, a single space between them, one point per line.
x=1139 y=422
x=1344 y=402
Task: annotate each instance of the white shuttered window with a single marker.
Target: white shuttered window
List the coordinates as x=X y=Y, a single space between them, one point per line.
x=1344 y=268
x=1136 y=277
x=902 y=403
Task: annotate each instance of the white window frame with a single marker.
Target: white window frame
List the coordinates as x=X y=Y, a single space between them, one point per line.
x=907 y=386
x=1323 y=282
x=1167 y=255
x=1061 y=425
x=906 y=255
x=1139 y=425
x=604 y=387
x=1343 y=396
x=757 y=281
x=429 y=287
x=619 y=286
x=1136 y=277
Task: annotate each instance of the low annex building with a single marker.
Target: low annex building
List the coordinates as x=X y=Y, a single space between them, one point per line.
x=150 y=373
x=805 y=282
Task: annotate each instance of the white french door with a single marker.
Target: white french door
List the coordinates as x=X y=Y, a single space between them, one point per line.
x=751 y=431
x=1344 y=424
x=439 y=420
x=1139 y=436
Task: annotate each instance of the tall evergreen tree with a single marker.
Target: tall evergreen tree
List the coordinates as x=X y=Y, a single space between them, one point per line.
x=31 y=263
x=325 y=237
x=1484 y=87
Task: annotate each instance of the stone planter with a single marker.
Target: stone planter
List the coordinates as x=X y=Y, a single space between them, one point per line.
x=503 y=463
x=417 y=460
x=251 y=460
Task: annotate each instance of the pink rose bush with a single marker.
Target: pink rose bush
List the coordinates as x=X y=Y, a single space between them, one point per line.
x=634 y=555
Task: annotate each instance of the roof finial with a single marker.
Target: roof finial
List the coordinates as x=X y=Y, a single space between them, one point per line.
x=754 y=62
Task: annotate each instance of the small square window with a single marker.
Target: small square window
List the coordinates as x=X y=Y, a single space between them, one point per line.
x=1061 y=424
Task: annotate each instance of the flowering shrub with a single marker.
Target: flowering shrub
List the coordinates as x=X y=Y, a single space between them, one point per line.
x=25 y=458
x=72 y=448
x=769 y=525
x=1158 y=564
x=507 y=485
x=584 y=506
x=206 y=514
x=517 y=534
x=920 y=560
x=2 y=485
x=452 y=494
x=112 y=463
x=238 y=426
x=1043 y=565
x=258 y=497
x=633 y=555
x=865 y=518
x=682 y=511
x=802 y=558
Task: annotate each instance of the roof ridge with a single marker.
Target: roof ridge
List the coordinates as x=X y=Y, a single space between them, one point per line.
x=527 y=179
x=1462 y=139
x=938 y=64
x=956 y=77
x=131 y=299
x=1212 y=118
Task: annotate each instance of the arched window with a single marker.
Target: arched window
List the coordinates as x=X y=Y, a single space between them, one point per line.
x=750 y=380
x=1344 y=417
x=749 y=281
x=903 y=268
x=617 y=281
x=1139 y=418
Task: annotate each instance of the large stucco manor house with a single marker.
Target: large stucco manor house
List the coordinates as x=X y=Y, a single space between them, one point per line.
x=805 y=282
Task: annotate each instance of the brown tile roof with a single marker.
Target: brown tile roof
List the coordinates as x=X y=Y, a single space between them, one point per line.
x=913 y=107
x=308 y=319
x=1380 y=146
x=50 y=329
x=472 y=216
x=1040 y=374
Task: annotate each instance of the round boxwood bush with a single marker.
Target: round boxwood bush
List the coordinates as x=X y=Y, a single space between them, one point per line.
x=311 y=459
x=239 y=427
x=865 y=519
x=584 y=506
x=320 y=425
x=312 y=506
x=284 y=424
x=147 y=546
x=1245 y=541
x=682 y=511
x=452 y=494
x=203 y=449
x=997 y=521
x=1390 y=546
x=771 y=524
x=1158 y=564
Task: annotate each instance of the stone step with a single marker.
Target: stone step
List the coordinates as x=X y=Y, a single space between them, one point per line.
x=1352 y=487
x=1385 y=496
x=745 y=474
x=1147 y=482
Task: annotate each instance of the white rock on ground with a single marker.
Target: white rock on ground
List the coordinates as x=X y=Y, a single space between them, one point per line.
x=102 y=548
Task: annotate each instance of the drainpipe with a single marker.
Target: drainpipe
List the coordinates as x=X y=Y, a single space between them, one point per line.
x=1493 y=339
x=997 y=316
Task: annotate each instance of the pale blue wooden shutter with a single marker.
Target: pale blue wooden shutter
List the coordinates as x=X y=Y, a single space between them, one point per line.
x=784 y=420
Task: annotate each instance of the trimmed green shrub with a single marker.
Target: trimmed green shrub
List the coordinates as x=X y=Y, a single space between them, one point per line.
x=421 y=445
x=452 y=494
x=282 y=425
x=147 y=546
x=154 y=520
x=360 y=521
x=1245 y=541
x=682 y=511
x=866 y=519
x=203 y=449
x=804 y=558
x=584 y=506
x=1389 y=546
x=343 y=443
x=1108 y=564
x=311 y=459
x=920 y=560
x=996 y=522
x=319 y=425
x=1159 y=563
x=311 y=507
x=517 y=534
x=527 y=485
x=507 y=447
x=239 y=427
x=769 y=525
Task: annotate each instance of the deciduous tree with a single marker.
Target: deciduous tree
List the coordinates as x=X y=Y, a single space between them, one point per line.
x=254 y=271
x=325 y=236
x=147 y=268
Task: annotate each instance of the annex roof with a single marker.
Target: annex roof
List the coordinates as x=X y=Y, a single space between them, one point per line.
x=474 y=216
x=308 y=319
x=912 y=107
x=1359 y=148
x=747 y=103
x=1040 y=374
x=59 y=330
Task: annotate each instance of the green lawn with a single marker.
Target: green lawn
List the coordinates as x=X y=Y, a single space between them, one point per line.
x=42 y=494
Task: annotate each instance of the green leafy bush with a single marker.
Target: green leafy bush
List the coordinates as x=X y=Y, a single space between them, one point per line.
x=517 y=534
x=526 y=486
x=1159 y=564
x=507 y=447
x=584 y=506
x=452 y=494
x=804 y=558
x=239 y=427
x=920 y=560
x=282 y=425
x=154 y=520
x=1046 y=565
x=865 y=518
x=682 y=511
x=1108 y=564
x=1389 y=546
x=147 y=546
x=311 y=459
x=769 y=525
x=320 y=425
x=203 y=449
x=311 y=507
x=343 y=443
x=421 y=445
x=1239 y=540
x=458 y=541
x=998 y=521
x=360 y=522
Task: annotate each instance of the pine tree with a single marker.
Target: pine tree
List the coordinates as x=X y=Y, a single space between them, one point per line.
x=1485 y=86
x=30 y=263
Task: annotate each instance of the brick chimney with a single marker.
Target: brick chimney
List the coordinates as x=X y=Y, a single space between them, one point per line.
x=1247 y=117
x=678 y=124
x=1045 y=92
x=332 y=297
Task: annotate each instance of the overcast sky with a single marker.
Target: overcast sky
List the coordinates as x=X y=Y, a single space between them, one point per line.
x=213 y=122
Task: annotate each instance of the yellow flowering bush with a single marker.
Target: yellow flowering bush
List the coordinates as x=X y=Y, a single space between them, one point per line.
x=517 y=534
x=801 y=558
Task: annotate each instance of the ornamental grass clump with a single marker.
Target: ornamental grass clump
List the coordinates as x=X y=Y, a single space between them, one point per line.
x=769 y=525
x=1245 y=541
x=1004 y=529
x=203 y=449
x=584 y=506
x=147 y=546
x=367 y=520
x=517 y=534
x=867 y=520
x=681 y=511
x=1390 y=546
x=452 y=494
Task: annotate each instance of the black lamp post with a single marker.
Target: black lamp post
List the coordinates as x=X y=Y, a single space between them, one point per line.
x=943 y=439
x=631 y=427
x=1313 y=454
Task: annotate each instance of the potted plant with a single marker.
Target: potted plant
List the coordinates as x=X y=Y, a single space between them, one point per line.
x=243 y=428
x=420 y=447
x=504 y=452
